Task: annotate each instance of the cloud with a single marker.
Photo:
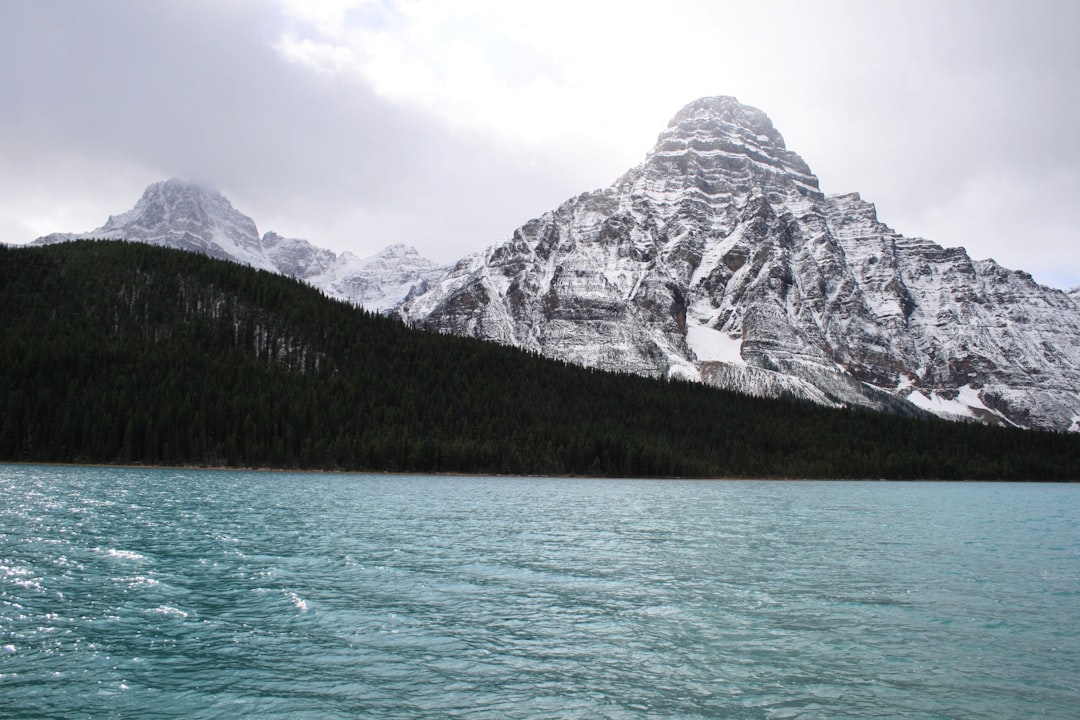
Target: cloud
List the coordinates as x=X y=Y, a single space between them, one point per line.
x=125 y=94
x=446 y=125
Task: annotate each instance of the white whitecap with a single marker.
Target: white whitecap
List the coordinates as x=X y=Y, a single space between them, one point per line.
x=170 y=611
x=122 y=554
x=298 y=601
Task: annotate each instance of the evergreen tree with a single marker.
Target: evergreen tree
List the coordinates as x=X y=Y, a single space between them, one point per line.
x=120 y=352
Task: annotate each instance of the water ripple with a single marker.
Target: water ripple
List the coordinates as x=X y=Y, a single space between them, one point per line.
x=134 y=593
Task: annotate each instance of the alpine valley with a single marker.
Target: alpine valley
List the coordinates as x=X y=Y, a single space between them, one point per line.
x=718 y=259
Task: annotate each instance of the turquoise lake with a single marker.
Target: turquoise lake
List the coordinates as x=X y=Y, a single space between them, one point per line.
x=131 y=593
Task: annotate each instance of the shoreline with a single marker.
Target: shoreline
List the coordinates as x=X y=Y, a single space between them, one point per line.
x=413 y=473
x=390 y=473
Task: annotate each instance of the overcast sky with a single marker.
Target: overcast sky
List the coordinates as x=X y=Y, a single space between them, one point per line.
x=445 y=125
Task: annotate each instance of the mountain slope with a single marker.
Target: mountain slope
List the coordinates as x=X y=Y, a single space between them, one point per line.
x=182 y=215
x=125 y=352
x=719 y=259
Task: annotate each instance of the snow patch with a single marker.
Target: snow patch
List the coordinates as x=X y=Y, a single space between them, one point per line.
x=714 y=254
x=905 y=383
x=965 y=404
x=711 y=345
x=682 y=370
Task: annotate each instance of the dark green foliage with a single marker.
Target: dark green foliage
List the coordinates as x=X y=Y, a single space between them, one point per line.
x=127 y=353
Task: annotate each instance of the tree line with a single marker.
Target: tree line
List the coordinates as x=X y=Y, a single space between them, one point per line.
x=115 y=352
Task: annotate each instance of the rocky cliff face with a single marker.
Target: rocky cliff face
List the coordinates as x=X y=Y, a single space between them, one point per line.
x=719 y=259
x=178 y=214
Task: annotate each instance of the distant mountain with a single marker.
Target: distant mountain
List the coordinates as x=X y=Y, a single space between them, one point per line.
x=380 y=282
x=295 y=257
x=185 y=216
x=720 y=259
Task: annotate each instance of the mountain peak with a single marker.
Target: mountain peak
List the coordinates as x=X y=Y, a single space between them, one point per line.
x=725 y=113
x=398 y=250
x=177 y=191
x=179 y=186
x=718 y=145
x=178 y=206
x=187 y=216
x=179 y=183
x=720 y=259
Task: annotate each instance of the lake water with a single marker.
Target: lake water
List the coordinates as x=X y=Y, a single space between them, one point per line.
x=204 y=594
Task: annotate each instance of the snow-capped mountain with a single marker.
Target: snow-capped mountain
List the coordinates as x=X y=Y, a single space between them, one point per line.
x=183 y=215
x=720 y=259
x=295 y=257
x=380 y=282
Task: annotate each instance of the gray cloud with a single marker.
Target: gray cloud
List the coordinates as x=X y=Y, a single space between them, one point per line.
x=163 y=89
x=957 y=119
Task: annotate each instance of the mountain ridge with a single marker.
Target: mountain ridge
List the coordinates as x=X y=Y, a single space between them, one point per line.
x=718 y=259
x=187 y=216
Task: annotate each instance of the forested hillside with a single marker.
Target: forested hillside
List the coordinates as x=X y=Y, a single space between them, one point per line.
x=113 y=352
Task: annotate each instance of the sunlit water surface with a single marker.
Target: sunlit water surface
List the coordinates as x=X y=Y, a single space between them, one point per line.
x=198 y=594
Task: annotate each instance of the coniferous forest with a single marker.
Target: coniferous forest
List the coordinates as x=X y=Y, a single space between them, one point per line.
x=114 y=352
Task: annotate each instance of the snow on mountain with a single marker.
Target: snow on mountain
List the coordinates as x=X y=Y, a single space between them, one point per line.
x=178 y=214
x=379 y=282
x=719 y=259
x=295 y=257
